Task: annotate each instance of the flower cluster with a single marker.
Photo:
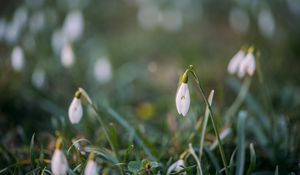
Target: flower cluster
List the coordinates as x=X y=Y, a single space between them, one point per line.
x=242 y=63
x=60 y=166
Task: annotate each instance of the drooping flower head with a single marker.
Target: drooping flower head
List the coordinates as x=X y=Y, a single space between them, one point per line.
x=247 y=65
x=91 y=167
x=59 y=163
x=75 y=109
x=176 y=167
x=183 y=96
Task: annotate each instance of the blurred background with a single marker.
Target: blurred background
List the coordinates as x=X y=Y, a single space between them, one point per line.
x=129 y=54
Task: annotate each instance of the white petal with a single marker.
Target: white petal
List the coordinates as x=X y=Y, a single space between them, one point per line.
x=251 y=66
x=242 y=68
x=176 y=167
x=183 y=99
x=59 y=163
x=234 y=63
x=186 y=102
x=17 y=59
x=75 y=110
x=67 y=56
x=91 y=168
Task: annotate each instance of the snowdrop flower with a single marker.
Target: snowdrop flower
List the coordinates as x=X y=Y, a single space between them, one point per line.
x=75 y=109
x=235 y=61
x=73 y=25
x=59 y=163
x=183 y=96
x=17 y=59
x=67 y=56
x=247 y=65
x=91 y=167
x=176 y=167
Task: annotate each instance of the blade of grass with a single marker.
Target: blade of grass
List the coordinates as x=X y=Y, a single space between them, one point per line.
x=241 y=143
x=192 y=152
x=210 y=98
x=114 y=137
x=149 y=152
x=212 y=158
x=276 y=170
x=31 y=150
x=231 y=163
x=252 y=159
x=244 y=88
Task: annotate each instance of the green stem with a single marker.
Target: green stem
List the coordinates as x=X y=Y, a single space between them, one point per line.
x=212 y=119
x=238 y=101
x=106 y=134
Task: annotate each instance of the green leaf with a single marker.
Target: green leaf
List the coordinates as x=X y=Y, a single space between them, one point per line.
x=128 y=152
x=31 y=150
x=241 y=143
x=276 y=170
x=252 y=159
x=134 y=166
x=114 y=138
x=149 y=150
x=231 y=163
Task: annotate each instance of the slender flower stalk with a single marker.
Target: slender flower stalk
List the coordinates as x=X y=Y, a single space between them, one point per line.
x=91 y=167
x=75 y=109
x=59 y=163
x=183 y=96
x=86 y=98
x=191 y=69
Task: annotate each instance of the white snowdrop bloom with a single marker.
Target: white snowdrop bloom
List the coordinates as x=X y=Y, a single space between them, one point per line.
x=247 y=66
x=38 y=78
x=58 y=41
x=67 y=56
x=235 y=61
x=149 y=16
x=183 y=96
x=102 y=70
x=17 y=59
x=91 y=168
x=75 y=109
x=73 y=25
x=59 y=163
x=171 y=20
x=176 y=167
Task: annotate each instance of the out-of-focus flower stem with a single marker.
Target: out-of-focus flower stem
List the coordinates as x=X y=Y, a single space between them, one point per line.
x=191 y=69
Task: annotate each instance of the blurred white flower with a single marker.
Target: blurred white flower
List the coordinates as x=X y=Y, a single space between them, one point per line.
x=17 y=59
x=102 y=70
x=239 y=20
x=59 y=163
x=75 y=109
x=183 y=96
x=171 y=20
x=91 y=168
x=235 y=61
x=247 y=65
x=73 y=26
x=266 y=23
x=38 y=78
x=176 y=167
x=67 y=56
x=149 y=16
